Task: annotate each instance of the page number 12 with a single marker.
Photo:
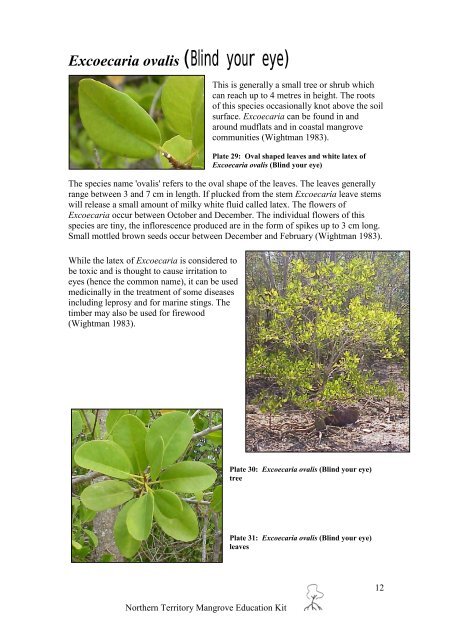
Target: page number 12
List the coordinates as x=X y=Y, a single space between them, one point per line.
x=380 y=587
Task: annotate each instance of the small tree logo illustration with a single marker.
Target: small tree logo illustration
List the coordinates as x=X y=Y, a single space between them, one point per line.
x=313 y=595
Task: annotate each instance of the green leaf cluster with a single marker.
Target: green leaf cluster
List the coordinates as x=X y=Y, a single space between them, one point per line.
x=84 y=540
x=147 y=476
x=128 y=123
x=318 y=332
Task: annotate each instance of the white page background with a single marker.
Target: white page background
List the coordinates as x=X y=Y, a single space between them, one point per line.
x=403 y=504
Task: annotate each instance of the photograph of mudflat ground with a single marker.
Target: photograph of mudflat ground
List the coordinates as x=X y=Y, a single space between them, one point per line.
x=327 y=351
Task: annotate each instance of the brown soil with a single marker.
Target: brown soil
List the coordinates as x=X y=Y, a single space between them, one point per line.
x=383 y=426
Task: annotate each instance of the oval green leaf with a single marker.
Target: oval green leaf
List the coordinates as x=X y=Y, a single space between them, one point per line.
x=106 y=495
x=216 y=437
x=77 y=424
x=184 y=527
x=168 y=503
x=216 y=504
x=143 y=415
x=113 y=417
x=140 y=516
x=187 y=477
x=104 y=456
x=155 y=456
x=180 y=149
x=75 y=448
x=176 y=429
x=116 y=122
x=130 y=433
x=93 y=538
x=127 y=545
x=180 y=95
x=86 y=515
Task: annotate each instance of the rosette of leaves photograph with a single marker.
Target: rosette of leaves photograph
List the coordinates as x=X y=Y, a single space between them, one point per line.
x=117 y=123
x=146 y=479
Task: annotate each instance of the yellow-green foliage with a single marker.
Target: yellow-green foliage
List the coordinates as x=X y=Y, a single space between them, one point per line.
x=317 y=334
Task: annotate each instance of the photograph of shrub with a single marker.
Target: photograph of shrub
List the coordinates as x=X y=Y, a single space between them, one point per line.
x=327 y=351
x=136 y=122
x=146 y=485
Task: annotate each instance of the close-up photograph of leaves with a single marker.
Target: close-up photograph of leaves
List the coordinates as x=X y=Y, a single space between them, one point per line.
x=136 y=122
x=146 y=485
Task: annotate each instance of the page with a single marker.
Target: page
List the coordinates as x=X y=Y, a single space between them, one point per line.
x=226 y=306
